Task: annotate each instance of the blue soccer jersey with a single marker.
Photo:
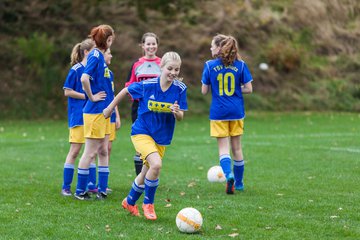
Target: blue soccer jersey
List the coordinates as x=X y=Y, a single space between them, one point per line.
x=225 y=82
x=75 y=106
x=100 y=80
x=154 y=114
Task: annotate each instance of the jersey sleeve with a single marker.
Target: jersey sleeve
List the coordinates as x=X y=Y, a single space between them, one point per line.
x=136 y=90
x=91 y=66
x=70 y=80
x=206 y=75
x=183 y=100
x=246 y=75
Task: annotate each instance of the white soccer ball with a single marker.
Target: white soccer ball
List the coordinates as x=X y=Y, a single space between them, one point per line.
x=189 y=220
x=216 y=174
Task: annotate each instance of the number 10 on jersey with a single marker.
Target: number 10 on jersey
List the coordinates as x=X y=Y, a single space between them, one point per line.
x=226 y=84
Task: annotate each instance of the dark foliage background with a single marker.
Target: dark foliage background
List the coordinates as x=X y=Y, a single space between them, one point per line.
x=311 y=46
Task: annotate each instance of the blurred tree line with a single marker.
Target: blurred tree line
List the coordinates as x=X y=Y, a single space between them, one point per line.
x=311 y=47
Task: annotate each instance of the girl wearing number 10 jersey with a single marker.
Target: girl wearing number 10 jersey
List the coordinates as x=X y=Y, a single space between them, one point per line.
x=229 y=78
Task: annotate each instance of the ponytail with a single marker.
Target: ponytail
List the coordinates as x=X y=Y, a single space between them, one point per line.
x=229 y=51
x=100 y=34
x=76 y=55
x=78 y=51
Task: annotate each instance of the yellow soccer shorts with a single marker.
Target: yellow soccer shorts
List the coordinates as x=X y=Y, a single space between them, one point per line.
x=112 y=132
x=96 y=125
x=144 y=144
x=226 y=128
x=76 y=134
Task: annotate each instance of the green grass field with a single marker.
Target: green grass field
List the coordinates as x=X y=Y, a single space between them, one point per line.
x=302 y=182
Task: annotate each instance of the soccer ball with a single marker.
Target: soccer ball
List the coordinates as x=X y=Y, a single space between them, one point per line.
x=263 y=66
x=189 y=220
x=216 y=174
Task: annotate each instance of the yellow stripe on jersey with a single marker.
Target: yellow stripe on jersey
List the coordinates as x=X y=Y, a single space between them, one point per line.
x=159 y=106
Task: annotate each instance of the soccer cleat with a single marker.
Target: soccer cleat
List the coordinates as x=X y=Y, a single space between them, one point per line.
x=66 y=192
x=108 y=190
x=82 y=196
x=230 y=188
x=239 y=187
x=149 y=211
x=93 y=191
x=101 y=196
x=133 y=209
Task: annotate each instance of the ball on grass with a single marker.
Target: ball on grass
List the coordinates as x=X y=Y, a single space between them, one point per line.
x=216 y=174
x=189 y=220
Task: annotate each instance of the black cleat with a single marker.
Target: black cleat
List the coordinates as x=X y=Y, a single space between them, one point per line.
x=230 y=185
x=82 y=196
x=101 y=196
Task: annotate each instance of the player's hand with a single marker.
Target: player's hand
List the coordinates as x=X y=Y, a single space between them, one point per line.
x=175 y=107
x=117 y=124
x=107 y=112
x=100 y=96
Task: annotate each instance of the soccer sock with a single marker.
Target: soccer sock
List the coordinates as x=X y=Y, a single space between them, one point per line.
x=138 y=164
x=83 y=175
x=68 y=175
x=150 y=190
x=135 y=193
x=239 y=172
x=103 y=172
x=92 y=177
x=225 y=163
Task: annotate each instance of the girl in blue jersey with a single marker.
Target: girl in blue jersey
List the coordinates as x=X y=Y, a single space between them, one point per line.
x=162 y=101
x=76 y=101
x=115 y=121
x=115 y=124
x=96 y=82
x=229 y=78
x=146 y=67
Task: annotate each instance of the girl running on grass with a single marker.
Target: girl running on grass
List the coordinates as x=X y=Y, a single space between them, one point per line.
x=162 y=101
x=146 y=67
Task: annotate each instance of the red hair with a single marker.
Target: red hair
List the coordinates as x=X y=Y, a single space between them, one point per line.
x=100 y=34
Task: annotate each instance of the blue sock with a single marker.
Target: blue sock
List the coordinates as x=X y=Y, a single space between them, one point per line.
x=225 y=163
x=150 y=190
x=239 y=172
x=135 y=193
x=92 y=177
x=103 y=172
x=83 y=175
x=68 y=175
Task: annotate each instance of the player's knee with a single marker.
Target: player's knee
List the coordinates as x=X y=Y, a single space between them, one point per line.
x=156 y=166
x=103 y=152
x=92 y=156
x=72 y=157
x=74 y=154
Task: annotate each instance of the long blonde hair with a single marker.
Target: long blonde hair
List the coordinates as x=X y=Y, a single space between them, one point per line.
x=78 y=51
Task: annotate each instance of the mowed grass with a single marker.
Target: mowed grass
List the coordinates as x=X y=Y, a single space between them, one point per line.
x=302 y=182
